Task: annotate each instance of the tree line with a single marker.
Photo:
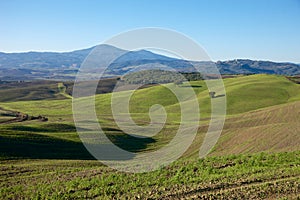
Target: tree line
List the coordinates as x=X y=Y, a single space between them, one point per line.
x=158 y=76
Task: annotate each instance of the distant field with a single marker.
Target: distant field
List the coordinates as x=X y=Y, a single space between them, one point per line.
x=11 y=91
x=47 y=159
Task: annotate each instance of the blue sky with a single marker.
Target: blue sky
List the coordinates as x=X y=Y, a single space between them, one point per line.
x=255 y=29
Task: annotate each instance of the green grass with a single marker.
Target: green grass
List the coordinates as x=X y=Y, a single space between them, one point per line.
x=260 y=174
x=244 y=94
x=259 y=91
x=48 y=160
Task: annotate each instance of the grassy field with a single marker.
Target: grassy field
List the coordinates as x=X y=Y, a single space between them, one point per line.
x=48 y=160
x=254 y=176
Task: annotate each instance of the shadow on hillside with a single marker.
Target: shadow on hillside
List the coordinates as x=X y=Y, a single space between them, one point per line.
x=221 y=95
x=45 y=128
x=36 y=146
x=193 y=86
x=128 y=142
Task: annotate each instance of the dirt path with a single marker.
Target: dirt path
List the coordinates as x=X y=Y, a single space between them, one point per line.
x=235 y=190
x=19 y=117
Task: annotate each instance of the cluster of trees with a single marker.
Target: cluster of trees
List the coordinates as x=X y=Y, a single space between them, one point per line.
x=160 y=76
x=192 y=76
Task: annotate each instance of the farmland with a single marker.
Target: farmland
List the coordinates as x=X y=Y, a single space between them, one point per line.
x=257 y=155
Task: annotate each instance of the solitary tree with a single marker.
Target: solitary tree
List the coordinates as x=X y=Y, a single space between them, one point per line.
x=212 y=94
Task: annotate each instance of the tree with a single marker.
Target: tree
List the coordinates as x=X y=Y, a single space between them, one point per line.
x=212 y=94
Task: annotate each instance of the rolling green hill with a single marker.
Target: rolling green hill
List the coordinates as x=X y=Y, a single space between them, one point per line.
x=262 y=116
x=247 y=94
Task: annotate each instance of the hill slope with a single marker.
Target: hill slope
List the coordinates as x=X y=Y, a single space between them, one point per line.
x=31 y=90
x=271 y=129
x=252 y=120
x=47 y=159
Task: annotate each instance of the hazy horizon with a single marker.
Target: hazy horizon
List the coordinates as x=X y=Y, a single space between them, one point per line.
x=153 y=51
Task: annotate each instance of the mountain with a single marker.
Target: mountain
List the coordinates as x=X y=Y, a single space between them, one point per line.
x=35 y=65
x=53 y=65
x=245 y=66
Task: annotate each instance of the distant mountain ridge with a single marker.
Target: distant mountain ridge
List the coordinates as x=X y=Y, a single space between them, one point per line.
x=53 y=65
x=241 y=66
